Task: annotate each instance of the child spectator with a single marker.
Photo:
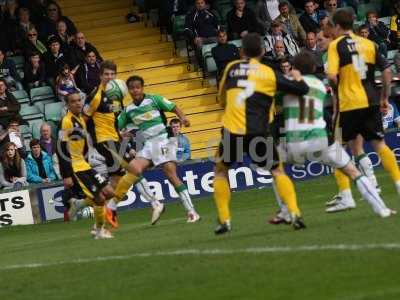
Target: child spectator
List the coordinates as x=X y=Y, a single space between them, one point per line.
x=241 y=20
x=39 y=165
x=378 y=32
x=88 y=74
x=35 y=74
x=48 y=27
x=9 y=73
x=33 y=44
x=65 y=83
x=12 y=168
x=9 y=106
x=80 y=47
x=392 y=118
x=183 y=150
x=224 y=52
x=363 y=31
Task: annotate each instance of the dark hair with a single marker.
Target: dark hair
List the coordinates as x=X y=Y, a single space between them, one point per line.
x=282 y=4
x=34 y=53
x=34 y=142
x=285 y=59
x=363 y=27
x=109 y=65
x=307 y=1
x=252 y=45
x=371 y=12
x=221 y=30
x=344 y=19
x=5 y=160
x=135 y=78
x=90 y=51
x=4 y=81
x=305 y=62
x=175 y=121
x=55 y=4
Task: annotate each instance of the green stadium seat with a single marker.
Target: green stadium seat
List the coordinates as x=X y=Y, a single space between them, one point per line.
x=391 y=54
x=19 y=61
x=42 y=94
x=362 y=10
x=30 y=112
x=385 y=20
x=25 y=131
x=21 y=96
x=237 y=43
x=208 y=60
x=35 y=127
x=52 y=111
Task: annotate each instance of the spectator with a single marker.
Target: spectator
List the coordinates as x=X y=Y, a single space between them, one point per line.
x=183 y=150
x=48 y=26
x=13 y=134
x=9 y=72
x=277 y=34
x=21 y=29
x=9 y=106
x=49 y=145
x=224 y=52
x=63 y=36
x=274 y=57
x=311 y=46
x=33 y=44
x=378 y=32
x=391 y=119
x=285 y=66
x=311 y=18
x=55 y=60
x=201 y=25
x=65 y=83
x=330 y=7
x=241 y=20
x=38 y=10
x=363 y=31
x=81 y=47
x=395 y=26
x=35 y=74
x=88 y=74
x=266 y=12
x=12 y=168
x=291 y=23
x=39 y=165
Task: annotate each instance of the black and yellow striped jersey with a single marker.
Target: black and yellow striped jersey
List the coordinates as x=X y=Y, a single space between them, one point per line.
x=74 y=145
x=354 y=60
x=247 y=89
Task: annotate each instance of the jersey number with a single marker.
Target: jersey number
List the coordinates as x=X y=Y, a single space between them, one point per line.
x=249 y=88
x=358 y=61
x=303 y=109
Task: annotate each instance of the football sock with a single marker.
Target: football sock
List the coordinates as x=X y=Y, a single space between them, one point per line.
x=278 y=199
x=342 y=180
x=99 y=216
x=370 y=194
x=123 y=186
x=347 y=196
x=287 y=193
x=185 y=197
x=143 y=187
x=222 y=198
x=364 y=164
x=389 y=162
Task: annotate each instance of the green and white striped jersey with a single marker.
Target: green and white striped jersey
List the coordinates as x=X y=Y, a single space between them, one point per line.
x=146 y=116
x=304 y=118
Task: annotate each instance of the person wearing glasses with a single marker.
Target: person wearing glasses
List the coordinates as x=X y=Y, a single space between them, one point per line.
x=33 y=44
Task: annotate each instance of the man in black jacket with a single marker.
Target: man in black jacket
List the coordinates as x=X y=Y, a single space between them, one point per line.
x=88 y=75
x=81 y=47
x=311 y=18
x=241 y=20
x=224 y=52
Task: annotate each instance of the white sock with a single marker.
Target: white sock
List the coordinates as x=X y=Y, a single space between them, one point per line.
x=278 y=199
x=80 y=203
x=186 y=201
x=370 y=194
x=112 y=205
x=144 y=189
x=347 y=196
x=366 y=168
x=397 y=184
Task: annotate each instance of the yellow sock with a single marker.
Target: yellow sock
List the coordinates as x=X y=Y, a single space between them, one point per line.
x=222 y=198
x=99 y=215
x=389 y=162
x=123 y=186
x=287 y=193
x=342 y=180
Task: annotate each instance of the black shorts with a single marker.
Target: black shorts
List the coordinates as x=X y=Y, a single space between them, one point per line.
x=90 y=182
x=366 y=121
x=260 y=149
x=113 y=162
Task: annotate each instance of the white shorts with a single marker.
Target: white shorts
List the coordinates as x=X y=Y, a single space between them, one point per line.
x=159 y=150
x=317 y=150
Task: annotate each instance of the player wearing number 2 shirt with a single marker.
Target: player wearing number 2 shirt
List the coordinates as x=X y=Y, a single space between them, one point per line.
x=351 y=65
x=246 y=92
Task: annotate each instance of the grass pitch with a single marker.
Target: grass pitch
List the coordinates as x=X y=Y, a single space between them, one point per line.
x=351 y=255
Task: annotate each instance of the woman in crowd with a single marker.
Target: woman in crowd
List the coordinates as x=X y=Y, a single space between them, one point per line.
x=33 y=44
x=12 y=168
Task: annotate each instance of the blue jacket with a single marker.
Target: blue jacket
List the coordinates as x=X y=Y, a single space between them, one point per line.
x=32 y=168
x=183 y=151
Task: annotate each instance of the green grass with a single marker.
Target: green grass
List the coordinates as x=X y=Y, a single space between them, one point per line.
x=329 y=274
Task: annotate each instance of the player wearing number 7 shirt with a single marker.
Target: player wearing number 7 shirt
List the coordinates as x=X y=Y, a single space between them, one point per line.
x=246 y=92
x=350 y=68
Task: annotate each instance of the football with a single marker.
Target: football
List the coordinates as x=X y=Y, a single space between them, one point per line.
x=116 y=90
x=87 y=212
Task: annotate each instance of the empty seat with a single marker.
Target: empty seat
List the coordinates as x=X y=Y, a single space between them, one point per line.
x=30 y=112
x=208 y=60
x=21 y=96
x=35 y=127
x=52 y=111
x=44 y=93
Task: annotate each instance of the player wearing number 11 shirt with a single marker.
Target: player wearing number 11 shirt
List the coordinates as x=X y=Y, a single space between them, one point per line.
x=246 y=92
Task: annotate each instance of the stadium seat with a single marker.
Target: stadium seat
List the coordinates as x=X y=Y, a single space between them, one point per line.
x=19 y=61
x=35 y=127
x=208 y=61
x=30 y=112
x=21 y=96
x=385 y=20
x=391 y=54
x=237 y=43
x=52 y=111
x=362 y=10
x=42 y=94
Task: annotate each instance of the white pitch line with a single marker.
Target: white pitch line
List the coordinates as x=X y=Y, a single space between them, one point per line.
x=207 y=252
